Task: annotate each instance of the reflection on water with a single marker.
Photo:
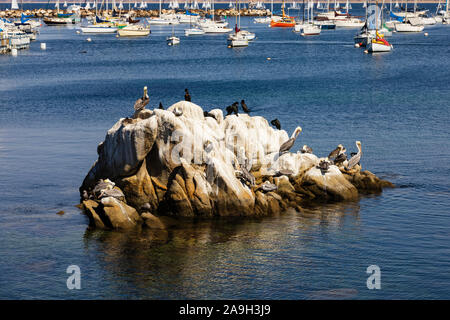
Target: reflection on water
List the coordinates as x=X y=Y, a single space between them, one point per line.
x=193 y=256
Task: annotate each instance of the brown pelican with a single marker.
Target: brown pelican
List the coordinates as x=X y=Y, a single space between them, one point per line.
x=288 y=144
x=333 y=154
x=161 y=106
x=142 y=102
x=187 y=96
x=356 y=158
x=276 y=123
x=340 y=159
x=233 y=109
x=246 y=175
x=306 y=149
x=244 y=107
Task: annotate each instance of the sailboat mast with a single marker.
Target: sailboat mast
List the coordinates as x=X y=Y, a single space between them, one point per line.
x=376 y=18
x=304 y=11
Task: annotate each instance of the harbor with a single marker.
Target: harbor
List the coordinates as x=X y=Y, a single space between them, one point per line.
x=308 y=19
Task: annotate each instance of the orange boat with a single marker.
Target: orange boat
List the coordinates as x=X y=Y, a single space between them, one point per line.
x=284 y=22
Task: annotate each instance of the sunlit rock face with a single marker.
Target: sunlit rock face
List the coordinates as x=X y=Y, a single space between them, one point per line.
x=179 y=162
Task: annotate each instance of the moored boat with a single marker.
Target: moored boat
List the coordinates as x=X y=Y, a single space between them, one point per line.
x=134 y=31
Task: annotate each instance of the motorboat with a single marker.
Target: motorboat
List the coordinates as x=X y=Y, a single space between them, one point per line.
x=134 y=30
x=193 y=32
x=349 y=23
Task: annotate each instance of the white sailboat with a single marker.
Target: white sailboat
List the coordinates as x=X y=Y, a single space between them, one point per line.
x=212 y=26
x=193 y=31
x=409 y=24
x=309 y=28
x=378 y=43
x=173 y=40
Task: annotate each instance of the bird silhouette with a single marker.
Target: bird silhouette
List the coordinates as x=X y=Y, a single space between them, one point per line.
x=187 y=96
x=244 y=107
x=233 y=109
x=276 y=123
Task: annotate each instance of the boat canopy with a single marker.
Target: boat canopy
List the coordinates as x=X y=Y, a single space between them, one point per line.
x=398 y=18
x=64 y=15
x=188 y=13
x=98 y=20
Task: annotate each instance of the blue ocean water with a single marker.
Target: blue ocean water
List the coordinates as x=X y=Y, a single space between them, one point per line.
x=56 y=105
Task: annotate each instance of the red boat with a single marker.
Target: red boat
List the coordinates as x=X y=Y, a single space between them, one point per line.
x=284 y=22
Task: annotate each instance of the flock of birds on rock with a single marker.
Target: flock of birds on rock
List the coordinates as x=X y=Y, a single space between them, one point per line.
x=336 y=157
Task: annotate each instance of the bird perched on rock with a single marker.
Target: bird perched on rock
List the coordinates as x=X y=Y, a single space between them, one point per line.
x=178 y=111
x=161 y=106
x=324 y=165
x=142 y=102
x=340 y=159
x=244 y=107
x=187 y=96
x=233 y=109
x=276 y=123
x=336 y=152
x=267 y=186
x=207 y=114
x=306 y=149
x=286 y=146
x=356 y=158
x=245 y=175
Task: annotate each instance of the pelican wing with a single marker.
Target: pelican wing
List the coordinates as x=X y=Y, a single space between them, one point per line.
x=287 y=145
x=140 y=103
x=354 y=160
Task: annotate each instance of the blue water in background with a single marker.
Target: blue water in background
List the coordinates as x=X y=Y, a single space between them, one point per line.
x=56 y=106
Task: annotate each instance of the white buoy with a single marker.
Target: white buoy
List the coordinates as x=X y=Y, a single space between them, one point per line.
x=366 y=51
x=88 y=39
x=78 y=31
x=426 y=34
x=269 y=58
x=356 y=45
x=43 y=46
x=14 y=52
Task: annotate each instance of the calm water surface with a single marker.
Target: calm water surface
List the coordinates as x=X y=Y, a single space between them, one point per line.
x=56 y=106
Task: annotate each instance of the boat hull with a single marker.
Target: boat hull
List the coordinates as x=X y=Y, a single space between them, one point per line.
x=98 y=29
x=58 y=22
x=378 y=47
x=406 y=27
x=133 y=33
x=280 y=24
x=193 y=32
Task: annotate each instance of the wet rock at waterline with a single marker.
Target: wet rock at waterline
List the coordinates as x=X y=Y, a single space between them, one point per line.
x=179 y=163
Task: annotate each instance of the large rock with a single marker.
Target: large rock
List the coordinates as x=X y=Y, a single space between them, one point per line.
x=178 y=162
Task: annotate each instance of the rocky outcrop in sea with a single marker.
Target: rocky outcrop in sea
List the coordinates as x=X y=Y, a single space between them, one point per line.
x=183 y=162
